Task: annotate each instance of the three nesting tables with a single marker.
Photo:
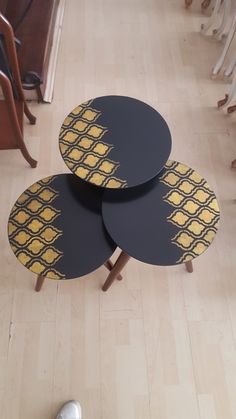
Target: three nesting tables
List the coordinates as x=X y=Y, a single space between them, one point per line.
x=123 y=191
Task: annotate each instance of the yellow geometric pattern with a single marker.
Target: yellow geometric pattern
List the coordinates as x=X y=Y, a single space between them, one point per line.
x=83 y=150
x=31 y=231
x=195 y=209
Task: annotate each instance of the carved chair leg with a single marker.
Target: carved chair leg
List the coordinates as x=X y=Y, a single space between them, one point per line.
x=189 y=266
x=11 y=108
x=109 y=265
x=29 y=115
x=118 y=266
x=39 y=283
x=27 y=156
x=39 y=94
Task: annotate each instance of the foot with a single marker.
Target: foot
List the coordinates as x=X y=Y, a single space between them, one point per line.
x=70 y=410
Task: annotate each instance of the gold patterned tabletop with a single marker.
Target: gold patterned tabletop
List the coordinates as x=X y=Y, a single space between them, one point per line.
x=54 y=234
x=173 y=221
x=115 y=142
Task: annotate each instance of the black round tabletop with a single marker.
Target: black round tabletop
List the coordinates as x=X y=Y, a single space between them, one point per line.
x=56 y=230
x=170 y=220
x=115 y=142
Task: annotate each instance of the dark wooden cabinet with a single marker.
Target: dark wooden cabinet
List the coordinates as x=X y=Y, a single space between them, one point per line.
x=33 y=22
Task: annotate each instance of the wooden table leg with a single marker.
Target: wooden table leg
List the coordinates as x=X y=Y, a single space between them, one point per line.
x=189 y=266
x=118 y=266
x=109 y=265
x=39 y=283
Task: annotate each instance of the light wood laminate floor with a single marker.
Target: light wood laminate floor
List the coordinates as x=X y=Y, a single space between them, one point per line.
x=162 y=343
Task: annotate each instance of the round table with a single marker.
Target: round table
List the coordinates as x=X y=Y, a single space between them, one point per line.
x=115 y=142
x=170 y=220
x=56 y=230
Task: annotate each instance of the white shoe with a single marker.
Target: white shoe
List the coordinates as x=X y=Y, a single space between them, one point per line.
x=70 y=410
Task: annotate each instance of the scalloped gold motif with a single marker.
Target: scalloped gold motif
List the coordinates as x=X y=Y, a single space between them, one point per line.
x=48 y=214
x=23 y=198
x=47 y=195
x=11 y=228
x=199 y=248
x=91 y=160
x=37 y=267
x=90 y=115
x=53 y=274
x=32 y=241
x=196 y=228
x=23 y=258
x=89 y=150
x=190 y=207
x=80 y=126
x=206 y=216
x=174 y=198
x=171 y=179
x=182 y=169
x=115 y=183
x=201 y=196
x=34 y=205
x=214 y=205
x=108 y=166
x=186 y=187
x=102 y=149
x=75 y=154
x=97 y=179
x=184 y=240
x=35 y=246
x=77 y=110
x=179 y=218
x=50 y=234
x=67 y=121
x=96 y=131
x=21 y=237
x=198 y=212
x=70 y=137
x=34 y=188
x=51 y=255
x=21 y=217
x=86 y=143
x=35 y=225
x=82 y=172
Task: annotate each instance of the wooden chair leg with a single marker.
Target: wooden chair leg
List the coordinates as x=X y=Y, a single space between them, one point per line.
x=222 y=102
x=109 y=265
x=7 y=92
x=231 y=109
x=205 y=4
x=189 y=266
x=118 y=266
x=39 y=283
x=33 y=163
x=188 y=3
x=39 y=94
x=29 y=115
